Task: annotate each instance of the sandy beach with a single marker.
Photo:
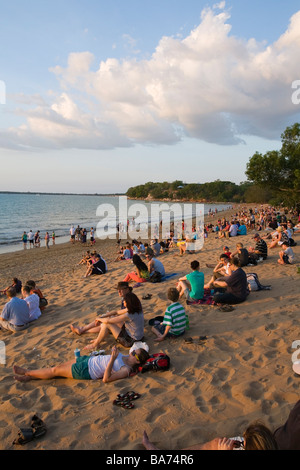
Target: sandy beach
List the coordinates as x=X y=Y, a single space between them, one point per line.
x=242 y=372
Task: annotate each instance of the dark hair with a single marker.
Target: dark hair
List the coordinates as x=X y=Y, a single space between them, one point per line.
x=143 y=357
x=173 y=294
x=224 y=256
x=258 y=437
x=139 y=263
x=133 y=303
x=30 y=283
x=195 y=265
x=11 y=292
x=27 y=288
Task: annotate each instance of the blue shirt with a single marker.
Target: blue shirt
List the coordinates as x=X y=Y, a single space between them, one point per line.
x=16 y=312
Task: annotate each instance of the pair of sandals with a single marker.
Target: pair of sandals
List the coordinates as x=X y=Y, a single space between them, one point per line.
x=37 y=429
x=200 y=340
x=125 y=399
x=147 y=296
x=226 y=308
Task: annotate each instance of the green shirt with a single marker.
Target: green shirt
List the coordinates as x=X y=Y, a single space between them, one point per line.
x=196 y=279
x=176 y=318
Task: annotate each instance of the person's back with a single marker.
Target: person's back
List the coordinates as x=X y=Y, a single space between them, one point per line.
x=16 y=311
x=175 y=317
x=33 y=302
x=243 y=257
x=196 y=280
x=158 y=266
x=237 y=283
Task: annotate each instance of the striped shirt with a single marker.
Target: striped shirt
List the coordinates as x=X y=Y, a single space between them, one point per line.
x=262 y=248
x=175 y=317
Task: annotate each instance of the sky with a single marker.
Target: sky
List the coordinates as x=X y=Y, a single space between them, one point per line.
x=98 y=96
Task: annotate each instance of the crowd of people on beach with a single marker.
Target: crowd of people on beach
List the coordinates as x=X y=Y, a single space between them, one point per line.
x=228 y=285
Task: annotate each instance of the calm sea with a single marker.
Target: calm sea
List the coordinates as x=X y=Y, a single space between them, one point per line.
x=44 y=212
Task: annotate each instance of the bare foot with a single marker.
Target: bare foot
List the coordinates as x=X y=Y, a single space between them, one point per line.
x=19 y=370
x=76 y=329
x=91 y=347
x=22 y=378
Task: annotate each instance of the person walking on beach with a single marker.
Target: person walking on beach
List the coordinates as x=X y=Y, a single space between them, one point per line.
x=53 y=238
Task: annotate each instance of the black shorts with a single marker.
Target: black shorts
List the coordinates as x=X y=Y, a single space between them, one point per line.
x=124 y=339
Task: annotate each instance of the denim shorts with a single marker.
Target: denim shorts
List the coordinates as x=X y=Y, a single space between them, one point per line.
x=161 y=329
x=80 y=370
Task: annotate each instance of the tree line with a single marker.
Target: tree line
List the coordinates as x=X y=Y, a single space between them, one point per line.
x=272 y=178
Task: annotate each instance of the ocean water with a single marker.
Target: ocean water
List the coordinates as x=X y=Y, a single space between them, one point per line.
x=52 y=212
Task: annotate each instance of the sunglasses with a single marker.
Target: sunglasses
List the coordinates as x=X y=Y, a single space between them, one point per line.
x=133 y=353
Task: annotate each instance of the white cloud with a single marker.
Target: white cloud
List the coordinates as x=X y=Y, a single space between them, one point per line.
x=209 y=85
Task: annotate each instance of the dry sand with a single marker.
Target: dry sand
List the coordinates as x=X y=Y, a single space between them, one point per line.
x=242 y=372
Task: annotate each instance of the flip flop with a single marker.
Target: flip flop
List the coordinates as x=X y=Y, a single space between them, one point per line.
x=123 y=403
x=132 y=395
x=24 y=435
x=37 y=429
x=226 y=308
x=38 y=426
x=147 y=297
x=188 y=340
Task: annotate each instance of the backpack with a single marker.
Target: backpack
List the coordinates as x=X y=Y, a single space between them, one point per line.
x=157 y=362
x=156 y=277
x=254 y=284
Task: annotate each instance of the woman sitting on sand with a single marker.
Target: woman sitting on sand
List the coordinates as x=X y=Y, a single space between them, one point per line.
x=108 y=368
x=126 y=325
x=141 y=274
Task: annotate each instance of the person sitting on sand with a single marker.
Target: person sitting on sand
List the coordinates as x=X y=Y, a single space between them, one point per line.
x=242 y=255
x=107 y=367
x=126 y=254
x=99 y=267
x=154 y=265
x=242 y=230
x=223 y=268
x=279 y=238
x=261 y=248
x=287 y=255
x=126 y=325
x=86 y=258
x=192 y=285
x=33 y=302
x=156 y=247
x=141 y=274
x=35 y=290
x=15 y=313
x=174 y=322
x=16 y=283
x=235 y=285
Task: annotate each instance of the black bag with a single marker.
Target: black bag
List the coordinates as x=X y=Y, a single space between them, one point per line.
x=43 y=302
x=156 y=277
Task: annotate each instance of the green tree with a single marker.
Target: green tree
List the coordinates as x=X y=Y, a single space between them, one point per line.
x=279 y=170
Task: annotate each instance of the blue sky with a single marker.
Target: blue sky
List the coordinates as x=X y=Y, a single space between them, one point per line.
x=101 y=96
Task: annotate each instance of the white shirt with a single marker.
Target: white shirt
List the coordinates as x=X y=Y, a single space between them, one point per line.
x=33 y=302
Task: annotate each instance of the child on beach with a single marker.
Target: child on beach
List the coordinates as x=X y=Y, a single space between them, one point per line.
x=286 y=256
x=174 y=322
